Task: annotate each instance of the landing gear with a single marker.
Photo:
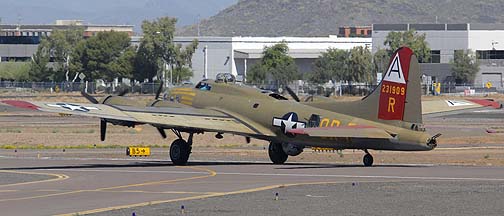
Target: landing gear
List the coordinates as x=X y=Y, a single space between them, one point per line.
x=368 y=159
x=180 y=149
x=276 y=153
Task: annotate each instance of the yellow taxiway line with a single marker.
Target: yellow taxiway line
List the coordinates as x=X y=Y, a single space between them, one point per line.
x=59 y=177
x=269 y=187
x=210 y=174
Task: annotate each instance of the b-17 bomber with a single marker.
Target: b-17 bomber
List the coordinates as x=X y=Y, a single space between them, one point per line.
x=389 y=118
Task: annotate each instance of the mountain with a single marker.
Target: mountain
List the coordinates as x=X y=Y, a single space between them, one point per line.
x=324 y=17
x=131 y=12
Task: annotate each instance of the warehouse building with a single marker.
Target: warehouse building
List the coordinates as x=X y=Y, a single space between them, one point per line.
x=237 y=54
x=487 y=40
x=19 y=42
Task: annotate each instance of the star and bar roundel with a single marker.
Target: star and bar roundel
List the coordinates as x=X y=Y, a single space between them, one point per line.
x=288 y=122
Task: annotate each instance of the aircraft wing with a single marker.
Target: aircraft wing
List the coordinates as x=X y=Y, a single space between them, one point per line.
x=442 y=106
x=204 y=120
x=344 y=132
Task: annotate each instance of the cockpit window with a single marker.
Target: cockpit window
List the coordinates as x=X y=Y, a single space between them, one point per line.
x=225 y=77
x=203 y=86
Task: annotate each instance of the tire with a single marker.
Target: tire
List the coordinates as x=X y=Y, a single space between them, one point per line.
x=179 y=152
x=276 y=153
x=368 y=160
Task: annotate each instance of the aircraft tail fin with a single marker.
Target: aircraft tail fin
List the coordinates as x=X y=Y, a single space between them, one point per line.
x=398 y=96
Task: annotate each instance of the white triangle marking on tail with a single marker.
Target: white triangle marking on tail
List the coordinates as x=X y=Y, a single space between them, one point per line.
x=394 y=72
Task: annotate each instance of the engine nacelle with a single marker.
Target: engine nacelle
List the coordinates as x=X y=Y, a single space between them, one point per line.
x=291 y=149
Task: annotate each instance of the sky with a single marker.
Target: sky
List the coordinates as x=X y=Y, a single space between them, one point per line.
x=130 y=12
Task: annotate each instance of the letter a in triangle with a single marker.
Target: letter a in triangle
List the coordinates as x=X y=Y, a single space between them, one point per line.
x=394 y=72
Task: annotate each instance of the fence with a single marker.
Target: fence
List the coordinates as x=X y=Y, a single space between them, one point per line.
x=303 y=89
x=91 y=87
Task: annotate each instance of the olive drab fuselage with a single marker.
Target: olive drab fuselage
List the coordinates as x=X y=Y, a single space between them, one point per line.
x=259 y=111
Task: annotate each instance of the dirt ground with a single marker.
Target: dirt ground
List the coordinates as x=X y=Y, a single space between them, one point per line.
x=464 y=140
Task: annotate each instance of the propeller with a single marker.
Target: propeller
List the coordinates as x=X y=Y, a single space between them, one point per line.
x=159 y=90
x=103 y=129
x=123 y=92
x=328 y=94
x=158 y=93
x=89 y=97
x=292 y=94
x=103 y=122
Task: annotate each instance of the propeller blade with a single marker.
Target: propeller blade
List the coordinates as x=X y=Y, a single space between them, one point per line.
x=158 y=92
x=89 y=97
x=162 y=132
x=292 y=94
x=328 y=94
x=103 y=129
x=123 y=92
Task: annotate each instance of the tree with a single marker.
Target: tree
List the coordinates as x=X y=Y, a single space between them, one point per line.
x=158 y=45
x=381 y=60
x=331 y=65
x=18 y=71
x=106 y=56
x=411 y=39
x=359 y=65
x=465 y=66
x=354 y=65
x=275 y=63
x=61 y=44
x=257 y=74
x=38 y=66
x=181 y=69
x=146 y=65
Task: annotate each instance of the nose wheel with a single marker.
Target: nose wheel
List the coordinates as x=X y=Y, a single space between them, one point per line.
x=368 y=159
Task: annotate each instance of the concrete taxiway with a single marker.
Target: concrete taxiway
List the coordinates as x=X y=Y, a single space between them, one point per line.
x=94 y=186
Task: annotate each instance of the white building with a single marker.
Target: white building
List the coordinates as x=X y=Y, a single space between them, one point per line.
x=236 y=54
x=487 y=40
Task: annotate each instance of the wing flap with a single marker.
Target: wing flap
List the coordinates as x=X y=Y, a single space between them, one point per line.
x=345 y=132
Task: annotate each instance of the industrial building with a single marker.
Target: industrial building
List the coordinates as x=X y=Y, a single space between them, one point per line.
x=445 y=39
x=18 y=42
x=237 y=54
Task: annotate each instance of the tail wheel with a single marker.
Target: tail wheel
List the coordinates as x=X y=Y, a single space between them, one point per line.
x=276 y=153
x=179 y=152
x=368 y=160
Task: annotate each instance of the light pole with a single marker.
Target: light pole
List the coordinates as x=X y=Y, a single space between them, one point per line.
x=205 y=62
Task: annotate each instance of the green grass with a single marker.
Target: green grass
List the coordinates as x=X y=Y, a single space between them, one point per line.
x=90 y=131
x=12 y=130
x=227 y=146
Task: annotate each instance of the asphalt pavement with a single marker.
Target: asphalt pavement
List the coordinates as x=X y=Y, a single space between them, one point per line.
x=81 y=186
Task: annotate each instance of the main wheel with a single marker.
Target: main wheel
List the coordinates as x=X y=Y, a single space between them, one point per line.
x=179 y=152
x=276 y=153
x=368 y=160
